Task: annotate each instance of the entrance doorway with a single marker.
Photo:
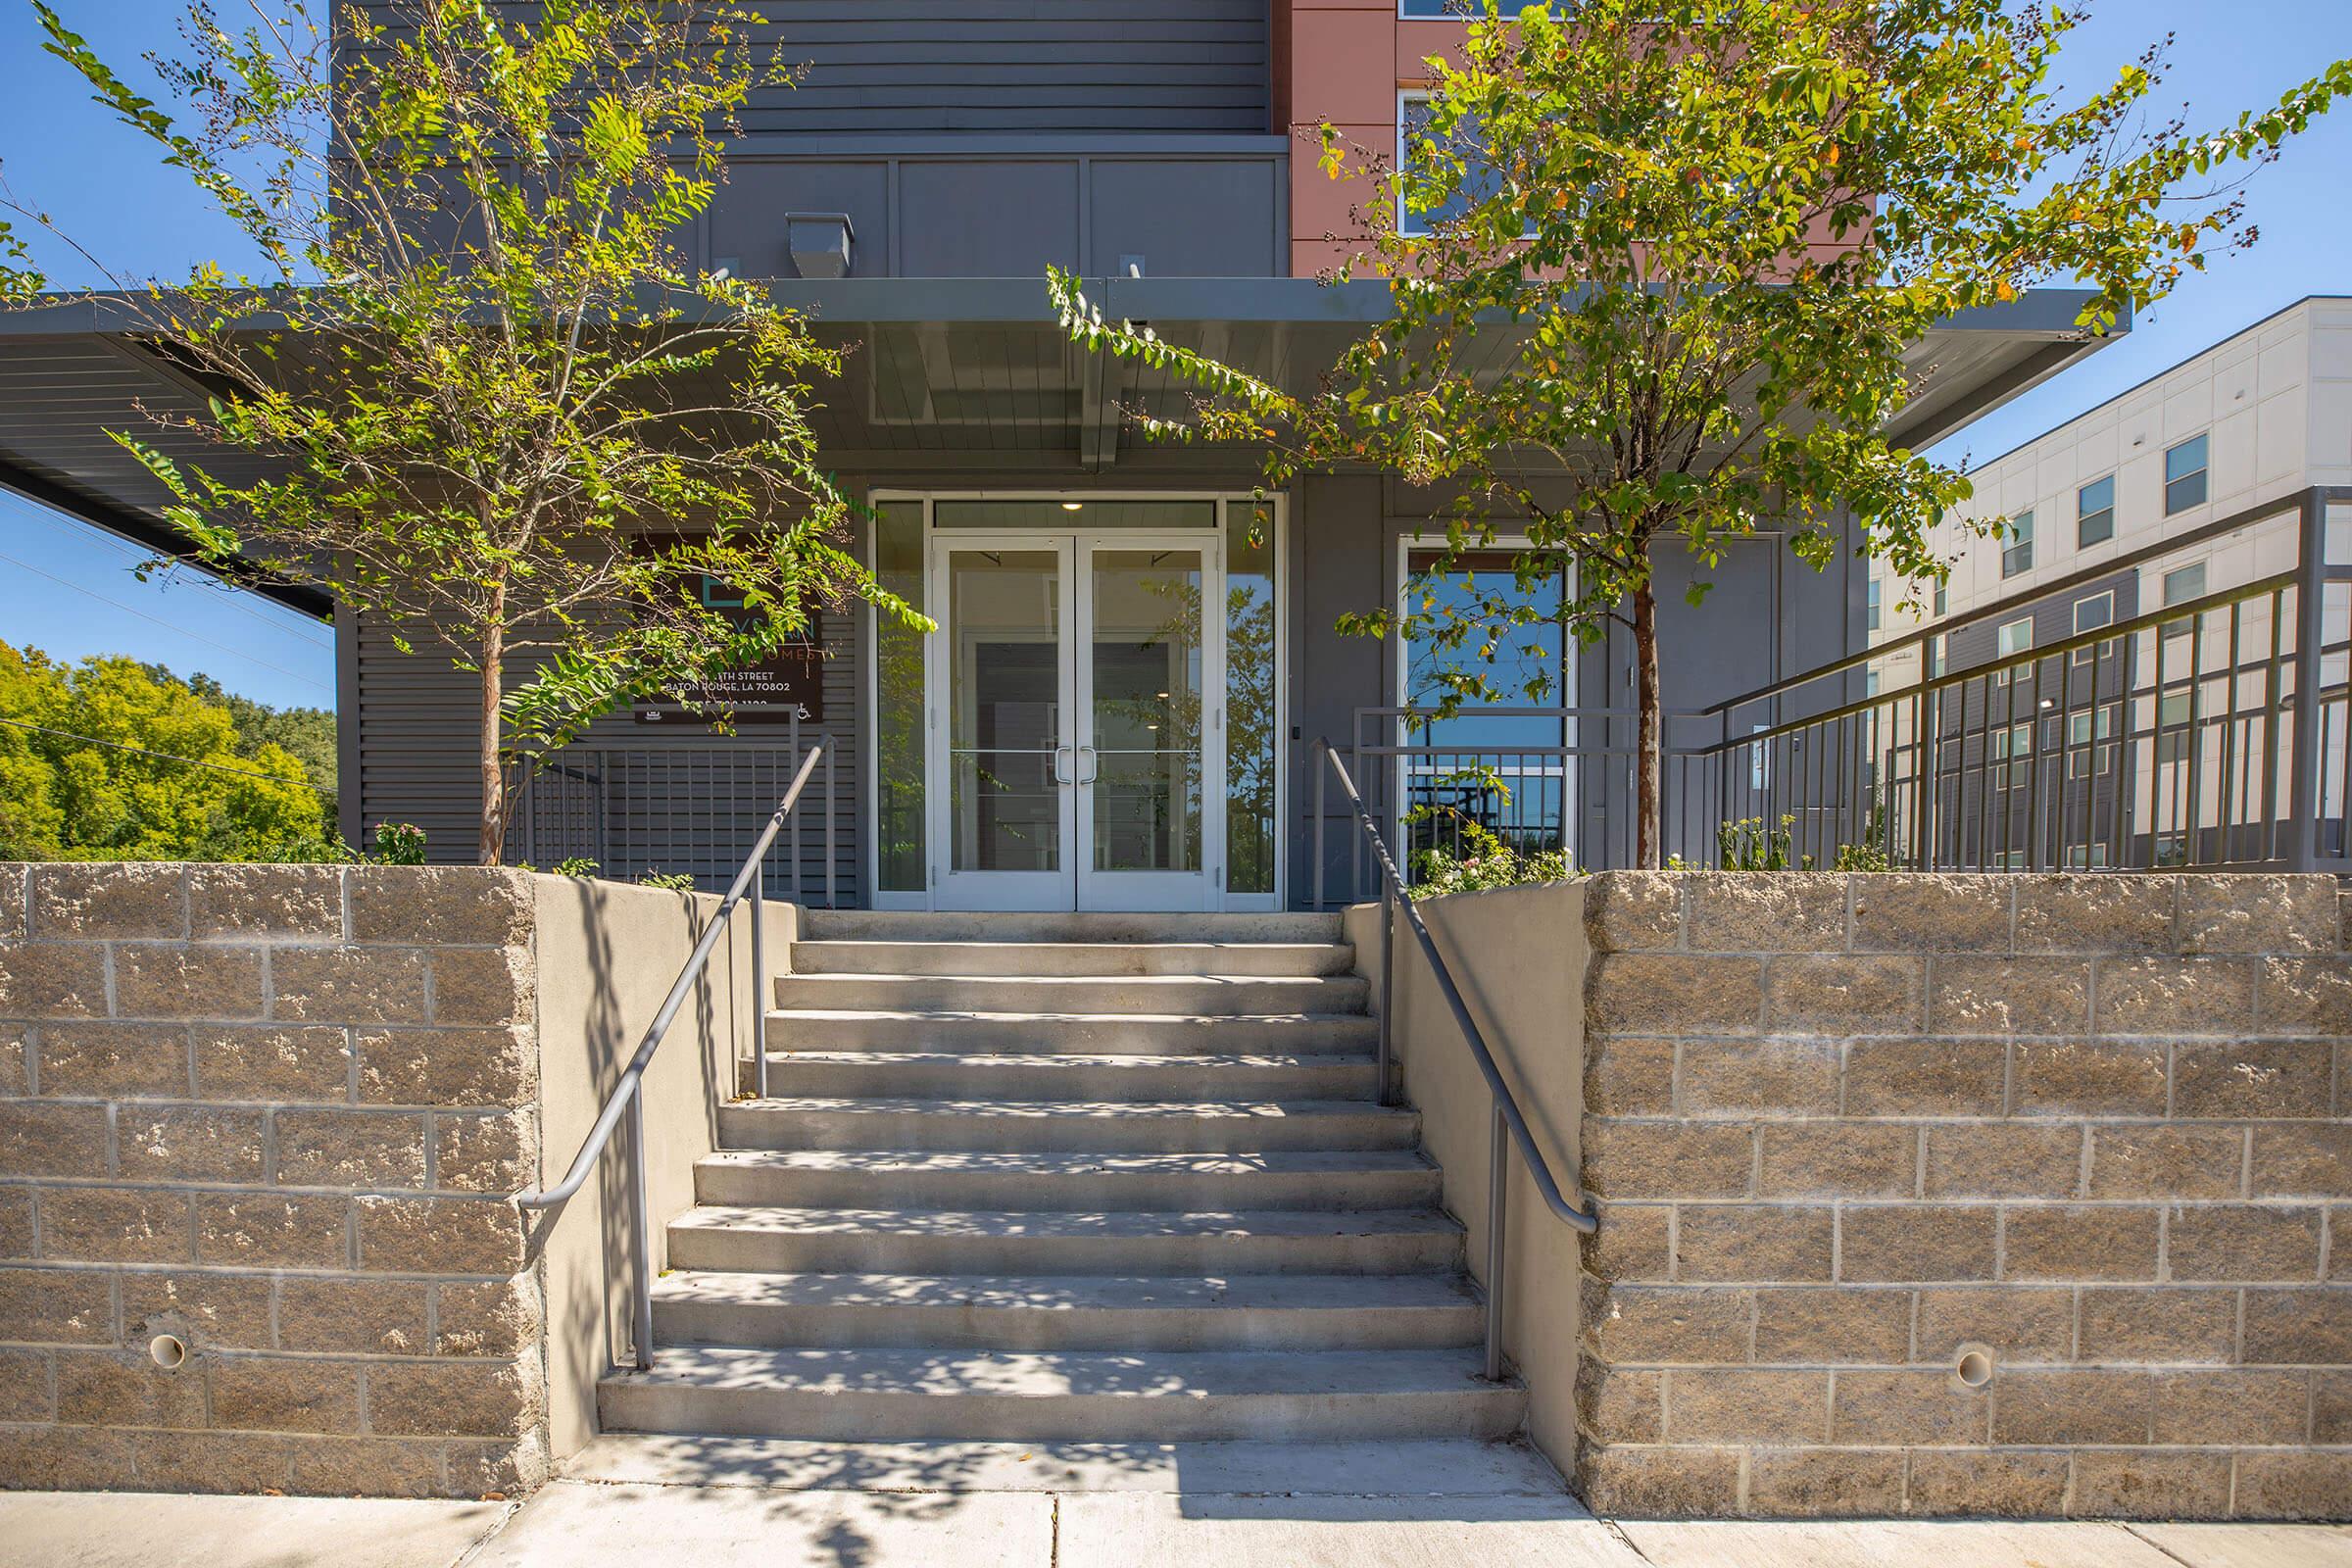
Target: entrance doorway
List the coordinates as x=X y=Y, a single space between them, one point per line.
x=1082 y=731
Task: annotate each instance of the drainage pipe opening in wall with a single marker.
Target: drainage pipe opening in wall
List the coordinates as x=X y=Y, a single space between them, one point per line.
x=168 y=1351
x=1975 y=1369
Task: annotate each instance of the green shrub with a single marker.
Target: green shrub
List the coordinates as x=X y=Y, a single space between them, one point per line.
x=673 y=881
x=1489 y=864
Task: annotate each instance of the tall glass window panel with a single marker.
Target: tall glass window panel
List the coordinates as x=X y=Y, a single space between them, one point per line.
x=1499 y=774
x=1147 y=670
x=1478 y=180
x=2018 y=554
x=2185 y=475
x=1004 y=703
x=898 y=701
x=1250 y=664
x=2094 y=513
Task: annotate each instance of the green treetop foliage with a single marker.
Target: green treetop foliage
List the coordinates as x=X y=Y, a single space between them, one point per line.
x=493 y=399
x=1665 y=266
x=116 y=760
x=308 y=734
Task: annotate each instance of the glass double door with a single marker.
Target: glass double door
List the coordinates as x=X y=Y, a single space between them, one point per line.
x=1078 y=757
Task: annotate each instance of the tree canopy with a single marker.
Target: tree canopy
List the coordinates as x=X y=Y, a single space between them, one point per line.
x=1660 y=272
x=112 y=759
x=494 y=399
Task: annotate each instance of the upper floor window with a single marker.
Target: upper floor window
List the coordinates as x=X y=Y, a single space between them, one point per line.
x=2089 y=615
x=2019 y=555
x=1873 y=612
x=2094 y=513
x=1943 y=598
x=2185 y=477
x=1479 y=179
x=2181 y=585
x=1935 y=656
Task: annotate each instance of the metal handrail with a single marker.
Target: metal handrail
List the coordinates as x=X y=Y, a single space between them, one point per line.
x=1510 y=1126
x=627 y=1095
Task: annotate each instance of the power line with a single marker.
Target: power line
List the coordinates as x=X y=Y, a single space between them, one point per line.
x=224 y=593
x=67 y=734
x=166 y=626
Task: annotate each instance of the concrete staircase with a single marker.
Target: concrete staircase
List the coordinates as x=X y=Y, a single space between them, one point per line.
x=1102 y=1179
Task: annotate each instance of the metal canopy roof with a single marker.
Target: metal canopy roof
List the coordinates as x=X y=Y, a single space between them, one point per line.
x=940 y=374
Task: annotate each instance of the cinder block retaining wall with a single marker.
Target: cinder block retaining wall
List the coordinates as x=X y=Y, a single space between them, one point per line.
x=1845 y=1130
x=273 y=1112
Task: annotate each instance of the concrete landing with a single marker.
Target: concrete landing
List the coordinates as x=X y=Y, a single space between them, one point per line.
x=140 y=1530
x=743 y=1505
x=1402 y=1469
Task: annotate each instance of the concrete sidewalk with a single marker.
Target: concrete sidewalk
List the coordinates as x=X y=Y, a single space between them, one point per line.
x=800 y=1505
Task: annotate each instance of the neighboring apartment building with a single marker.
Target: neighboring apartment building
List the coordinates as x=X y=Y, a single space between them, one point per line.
x=1066 y=740
x=2229 y=471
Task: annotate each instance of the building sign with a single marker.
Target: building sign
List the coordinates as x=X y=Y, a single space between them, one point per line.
x=788 y=683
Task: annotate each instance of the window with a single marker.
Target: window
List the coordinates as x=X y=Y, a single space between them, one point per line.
x=2019 y=555
x=2181 y=585
x=2093 y=858
x=2094 y=513
x=1935 y=651
x=2089 y=615
x=1943 y=598
x=1479 y=179
x=2080 y=754
x=2015 y=747
x=1870 y=683
x=2015 y=637
x=1873 y=614
x=2185 y=475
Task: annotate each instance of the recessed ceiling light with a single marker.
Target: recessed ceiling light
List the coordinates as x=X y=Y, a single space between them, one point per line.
x=1072 y=506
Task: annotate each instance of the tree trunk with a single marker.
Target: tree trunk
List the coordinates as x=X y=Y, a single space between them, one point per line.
x=492 y=847
x=1647 y=817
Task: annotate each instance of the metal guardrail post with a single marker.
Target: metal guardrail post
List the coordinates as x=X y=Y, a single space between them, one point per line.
x=1499 y=1148
x=759 y=981
x=641 y=1223
x=1388 y=990
x=2311 y=634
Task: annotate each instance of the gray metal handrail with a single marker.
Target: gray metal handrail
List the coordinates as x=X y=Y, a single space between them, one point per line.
x=1510 y=1126
x=628 y=1095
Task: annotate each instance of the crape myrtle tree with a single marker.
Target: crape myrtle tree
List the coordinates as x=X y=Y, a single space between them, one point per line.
x=1704 y=236
x=492 y=399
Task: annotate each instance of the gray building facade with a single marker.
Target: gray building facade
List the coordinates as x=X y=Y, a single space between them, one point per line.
x=935 y=158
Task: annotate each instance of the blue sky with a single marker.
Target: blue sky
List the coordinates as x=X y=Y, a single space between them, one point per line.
x=70 y=590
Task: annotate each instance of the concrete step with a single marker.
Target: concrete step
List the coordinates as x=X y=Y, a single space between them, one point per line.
x=1072 y=1126
x=1432 y=1469
x=1211 y=995
x=885 y=1395
x=1097 y=1034
x=811 y=1178
x=736 y=1240
x=1236 y=1313
x=1072 y=958
x=905 y=925
x=955 y=1075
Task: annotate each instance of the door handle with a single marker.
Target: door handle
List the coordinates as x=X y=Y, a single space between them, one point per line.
x=1060 y=774
x=1096 y=772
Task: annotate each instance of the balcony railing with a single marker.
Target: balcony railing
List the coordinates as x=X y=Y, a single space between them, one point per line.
x=2214 y=733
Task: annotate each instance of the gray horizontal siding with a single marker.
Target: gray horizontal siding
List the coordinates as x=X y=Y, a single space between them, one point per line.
x=949 y=66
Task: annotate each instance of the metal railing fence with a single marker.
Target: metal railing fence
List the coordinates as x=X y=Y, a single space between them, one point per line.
x=2213 y=733
x=641 y=810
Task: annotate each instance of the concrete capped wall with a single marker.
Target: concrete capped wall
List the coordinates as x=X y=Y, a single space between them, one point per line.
x=1843 y=1131
x=278 y=1113
x=1518 y=955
